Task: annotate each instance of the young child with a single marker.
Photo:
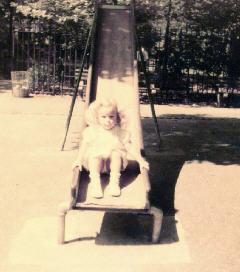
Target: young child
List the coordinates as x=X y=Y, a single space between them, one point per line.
x=104 y=147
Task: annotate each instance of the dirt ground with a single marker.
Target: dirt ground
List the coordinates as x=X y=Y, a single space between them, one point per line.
x=194 y=177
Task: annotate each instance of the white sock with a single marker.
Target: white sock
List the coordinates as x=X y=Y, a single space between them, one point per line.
x=95 y=185
x=114 y=187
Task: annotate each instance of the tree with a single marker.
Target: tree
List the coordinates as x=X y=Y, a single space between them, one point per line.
x=51 y=17
x=58 y=11
x=215 y=25
x=201 y=35
x=6 y=22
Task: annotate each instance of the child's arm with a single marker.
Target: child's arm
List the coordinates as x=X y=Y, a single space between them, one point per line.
x=78 y=161
x=87 y=137
x=143 y=164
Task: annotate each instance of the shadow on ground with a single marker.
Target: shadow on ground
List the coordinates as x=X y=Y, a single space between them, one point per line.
x=186 y=138
x=134 y=229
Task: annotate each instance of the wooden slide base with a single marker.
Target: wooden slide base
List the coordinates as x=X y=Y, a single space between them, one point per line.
x=155 y=212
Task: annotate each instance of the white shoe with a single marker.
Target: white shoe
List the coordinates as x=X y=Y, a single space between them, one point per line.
x=114 y=189
x=95 y=189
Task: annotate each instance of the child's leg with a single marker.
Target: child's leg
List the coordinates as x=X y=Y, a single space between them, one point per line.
x=95 y=165
x=115 y=169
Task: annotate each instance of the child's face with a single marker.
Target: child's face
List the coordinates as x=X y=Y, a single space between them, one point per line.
x=107 y=117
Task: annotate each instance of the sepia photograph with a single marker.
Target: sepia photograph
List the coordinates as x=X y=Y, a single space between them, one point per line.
x=119 y=135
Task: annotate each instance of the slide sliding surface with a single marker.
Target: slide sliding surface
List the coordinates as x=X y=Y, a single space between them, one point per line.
x=113 y=74
x=114 y=71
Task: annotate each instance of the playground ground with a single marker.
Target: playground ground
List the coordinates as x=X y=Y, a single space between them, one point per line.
x=195 y=179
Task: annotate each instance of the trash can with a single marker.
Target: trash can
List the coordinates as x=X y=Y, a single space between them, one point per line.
x=20 y=83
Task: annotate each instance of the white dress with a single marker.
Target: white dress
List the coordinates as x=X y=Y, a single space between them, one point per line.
x=101 y=143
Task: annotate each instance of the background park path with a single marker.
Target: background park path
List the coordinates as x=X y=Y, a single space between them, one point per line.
x=195 y=179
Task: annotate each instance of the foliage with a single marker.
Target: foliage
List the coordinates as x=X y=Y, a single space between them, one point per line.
x=57 y=17
x=5 y=14
x=58 y=11
x=191 y=35
x=6 y=19
x=182 y=35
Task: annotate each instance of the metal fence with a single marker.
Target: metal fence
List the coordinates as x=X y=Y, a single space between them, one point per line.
x=53 y=61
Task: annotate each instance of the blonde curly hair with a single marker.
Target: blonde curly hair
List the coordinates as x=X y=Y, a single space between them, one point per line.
x=91 y=115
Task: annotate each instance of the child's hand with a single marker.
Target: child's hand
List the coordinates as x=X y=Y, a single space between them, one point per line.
x=77 y=164
x=143 y=164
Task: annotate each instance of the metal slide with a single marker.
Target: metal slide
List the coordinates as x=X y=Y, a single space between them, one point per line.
x=114 y=70
x=113 y=74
